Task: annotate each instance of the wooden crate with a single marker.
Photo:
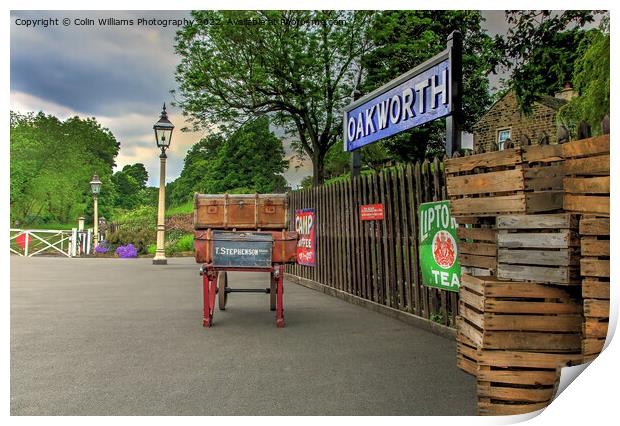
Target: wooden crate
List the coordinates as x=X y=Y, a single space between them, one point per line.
x=586 y=182
x=519 y=180
x=466 y=352
x=595 y=271
x=477 y=245
x=510 y=382
x=540 y=248
x=512 y=315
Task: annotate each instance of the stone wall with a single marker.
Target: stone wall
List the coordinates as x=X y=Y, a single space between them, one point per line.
x=505 y=114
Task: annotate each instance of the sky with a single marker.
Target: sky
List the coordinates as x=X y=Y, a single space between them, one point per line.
x=121 y=75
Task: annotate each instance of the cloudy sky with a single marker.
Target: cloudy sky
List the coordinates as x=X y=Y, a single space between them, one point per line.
x=120 y=75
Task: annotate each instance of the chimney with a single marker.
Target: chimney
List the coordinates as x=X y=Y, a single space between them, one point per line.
x=567 y=93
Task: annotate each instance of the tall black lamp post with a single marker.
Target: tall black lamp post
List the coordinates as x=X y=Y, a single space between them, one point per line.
x=163 y=135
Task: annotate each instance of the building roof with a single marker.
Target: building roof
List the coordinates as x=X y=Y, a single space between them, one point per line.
x=548 y=101
x=551 y=102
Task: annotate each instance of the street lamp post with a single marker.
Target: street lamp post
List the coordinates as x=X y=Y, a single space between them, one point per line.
x=163 y=135
x=95 y=186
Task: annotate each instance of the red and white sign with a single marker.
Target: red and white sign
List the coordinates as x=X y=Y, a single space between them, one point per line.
x=305 y=225
x=371 y=212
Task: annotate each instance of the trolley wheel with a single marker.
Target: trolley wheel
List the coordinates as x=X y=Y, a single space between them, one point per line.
x=222 y=284
x=273 y=294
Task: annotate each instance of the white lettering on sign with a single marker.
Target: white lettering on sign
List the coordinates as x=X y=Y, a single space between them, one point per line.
x=440 y=215
x=404 y=103
x=303 y=225
x=442 y=278
x=225 y=251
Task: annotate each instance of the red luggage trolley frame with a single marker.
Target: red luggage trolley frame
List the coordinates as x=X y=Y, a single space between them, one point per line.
x=215 y=282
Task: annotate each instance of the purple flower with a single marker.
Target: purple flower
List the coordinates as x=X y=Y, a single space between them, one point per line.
x=103 y=247
x=126 y=251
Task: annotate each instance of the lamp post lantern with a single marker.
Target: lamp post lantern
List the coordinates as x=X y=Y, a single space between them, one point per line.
x=163 y=135
x=95 y=186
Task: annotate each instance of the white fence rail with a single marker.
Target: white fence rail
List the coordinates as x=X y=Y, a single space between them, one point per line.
x=32 y=242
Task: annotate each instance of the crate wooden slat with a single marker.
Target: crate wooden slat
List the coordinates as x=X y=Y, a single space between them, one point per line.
x=518 y=315
x=518 y=382
x=466 y=353
x=540 y=248
x=595 y=285
x=518 y=180
x=477 y=245
x=586 y=181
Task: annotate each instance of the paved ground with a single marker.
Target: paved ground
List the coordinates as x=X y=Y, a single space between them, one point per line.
x=124 y=337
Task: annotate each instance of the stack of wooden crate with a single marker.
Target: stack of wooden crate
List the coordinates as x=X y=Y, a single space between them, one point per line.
x=522 y=322
x=595 y=285
x=587 y=187
x=535 y=328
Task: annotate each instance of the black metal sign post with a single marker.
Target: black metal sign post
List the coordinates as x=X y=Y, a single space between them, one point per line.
x=430 y=91
x=453 y=121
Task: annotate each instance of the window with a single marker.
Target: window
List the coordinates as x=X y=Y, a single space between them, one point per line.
x=502 y=136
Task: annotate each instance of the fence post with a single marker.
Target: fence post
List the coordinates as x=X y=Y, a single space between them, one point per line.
x=88 y=234
x=73 y=242
x=26 y=246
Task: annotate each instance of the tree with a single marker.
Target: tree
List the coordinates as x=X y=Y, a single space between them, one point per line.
x=128 y=190
x=402 y=40
x=541 y=50
x=592 y=82
x=52 y=163
x=297 y=66
x=138 y=172
x=250 y=160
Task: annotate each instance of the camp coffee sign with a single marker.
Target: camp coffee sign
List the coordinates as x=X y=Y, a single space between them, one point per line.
x=439 y=260
x=305 y=225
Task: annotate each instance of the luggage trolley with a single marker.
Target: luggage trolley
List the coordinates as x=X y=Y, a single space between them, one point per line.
x=243 y=251
x=242 y=232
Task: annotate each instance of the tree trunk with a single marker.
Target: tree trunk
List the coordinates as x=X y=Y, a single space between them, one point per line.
x=318 y=167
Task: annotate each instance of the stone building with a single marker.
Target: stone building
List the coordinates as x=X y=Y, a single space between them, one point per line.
x=504 y=121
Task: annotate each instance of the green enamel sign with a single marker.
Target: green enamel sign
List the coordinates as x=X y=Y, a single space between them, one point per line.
x=439 y=260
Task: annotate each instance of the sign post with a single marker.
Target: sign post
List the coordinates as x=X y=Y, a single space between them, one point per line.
x=439 y=260
x=428 y=92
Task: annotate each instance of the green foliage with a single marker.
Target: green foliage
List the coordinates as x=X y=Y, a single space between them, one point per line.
x=52 y=163
x=541 y=49
x=185 y=243
x=300 y=69
x=405 y=39
x=250 y=160
x=187 y=207
x=140 y=236
x=138 y=173
x=591 y=80
x=151 y=249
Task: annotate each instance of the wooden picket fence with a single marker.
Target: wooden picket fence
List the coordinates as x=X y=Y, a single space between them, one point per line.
x=376 y=260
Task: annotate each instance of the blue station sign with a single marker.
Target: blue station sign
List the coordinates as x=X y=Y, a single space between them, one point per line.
x=416 y=97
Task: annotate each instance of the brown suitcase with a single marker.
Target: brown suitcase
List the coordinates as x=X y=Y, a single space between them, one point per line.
x=284 y=245
x=240 y=211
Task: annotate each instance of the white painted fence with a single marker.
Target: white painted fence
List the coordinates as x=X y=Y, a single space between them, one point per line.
x=44 y=241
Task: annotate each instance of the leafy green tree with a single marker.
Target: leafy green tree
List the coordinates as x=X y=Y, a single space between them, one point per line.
x=138 y=172
x=250 y=160
x=128 y=190
x=299 y=67
x=52 y=163
x=402 y=40
x=541 y=50
x=592 y=82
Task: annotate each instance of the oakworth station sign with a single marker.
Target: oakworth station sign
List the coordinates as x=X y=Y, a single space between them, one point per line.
x=428 y=92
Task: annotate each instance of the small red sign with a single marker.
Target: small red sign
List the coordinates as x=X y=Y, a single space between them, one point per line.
x=21 y=241
x=371 y=212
